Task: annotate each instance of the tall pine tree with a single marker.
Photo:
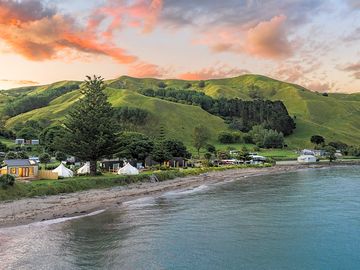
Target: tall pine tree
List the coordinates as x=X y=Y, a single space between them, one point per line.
x=90 y=131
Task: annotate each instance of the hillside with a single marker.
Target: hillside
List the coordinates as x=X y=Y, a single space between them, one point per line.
x=336 y=116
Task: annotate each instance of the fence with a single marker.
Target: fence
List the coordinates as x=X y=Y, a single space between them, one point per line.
x=43 y=174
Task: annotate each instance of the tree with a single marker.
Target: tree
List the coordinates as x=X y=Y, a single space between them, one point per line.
x=330 y=153
x=317 y=139
x=226 y=138
x=162 y=85
x=207 y=156
x=176 y=148
x=22 y=155
x=257 y=134
x=201 y=84
x=3 y=147
x=210 y=148
x=200 y=137
x=11 y=155
x=50 y=137
x=243 y=154
x=273 y=139
x=266 y=138
x=27 y=133
x=160 y=152
x=339 y=146
x=60 y=156
x=45 y=158
x=89 y=131
x=135 y=145
x=6 y=181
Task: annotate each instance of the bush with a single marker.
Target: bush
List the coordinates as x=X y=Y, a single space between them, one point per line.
x=207 y=156
x=11 y=155
x=228 y=138
x=162 y=85
x=3 y=147
x=210 y=148
x=7 y=180
x=60 y=156
x=22 y=155
x=266 y=137
x=248 y=139
x=225 y=137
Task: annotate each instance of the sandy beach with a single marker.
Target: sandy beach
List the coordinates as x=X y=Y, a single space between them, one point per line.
x=31 y=210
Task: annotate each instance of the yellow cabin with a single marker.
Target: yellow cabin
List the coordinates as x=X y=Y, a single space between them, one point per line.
x=21 y=168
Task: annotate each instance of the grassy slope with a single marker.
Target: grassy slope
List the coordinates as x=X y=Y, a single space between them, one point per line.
x=178 y=120
x=336 y=117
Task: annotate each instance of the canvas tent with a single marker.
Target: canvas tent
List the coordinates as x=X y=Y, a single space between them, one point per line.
x=84 y=169
x=306 y=159
x=62 y=171
x=128 y=170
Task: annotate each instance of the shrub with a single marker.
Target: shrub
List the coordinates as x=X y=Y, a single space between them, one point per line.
x=11 y=155
x=210 y=148
x=60 y=156
x=7 y=180
x=162 y=85
x=3 y=147
x=248 y=139
x=22 y=155
x=207 y=156
x=225 y=137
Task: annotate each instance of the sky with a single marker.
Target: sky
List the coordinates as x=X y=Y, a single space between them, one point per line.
x=314 y=43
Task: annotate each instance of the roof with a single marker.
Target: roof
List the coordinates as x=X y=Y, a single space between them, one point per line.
x=20 y=162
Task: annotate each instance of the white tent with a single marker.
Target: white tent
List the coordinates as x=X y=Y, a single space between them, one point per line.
x=84 y=169
x=306 y=159
x=128 y=170
x=62 y=171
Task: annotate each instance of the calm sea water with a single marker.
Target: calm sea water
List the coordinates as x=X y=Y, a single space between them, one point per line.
x=303 y=220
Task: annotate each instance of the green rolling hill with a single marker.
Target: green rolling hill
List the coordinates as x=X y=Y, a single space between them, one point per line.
x=336 y=116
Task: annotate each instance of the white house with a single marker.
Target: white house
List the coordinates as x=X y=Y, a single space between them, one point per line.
x=306 y=159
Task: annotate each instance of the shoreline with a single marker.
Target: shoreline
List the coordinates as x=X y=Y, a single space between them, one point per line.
x=30 y=210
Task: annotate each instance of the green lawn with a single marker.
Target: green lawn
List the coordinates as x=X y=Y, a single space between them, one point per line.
x=7 y=142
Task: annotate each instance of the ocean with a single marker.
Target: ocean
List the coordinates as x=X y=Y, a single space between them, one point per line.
x=309 y=219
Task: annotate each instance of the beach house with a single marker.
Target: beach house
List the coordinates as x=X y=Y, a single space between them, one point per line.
x=21 y=168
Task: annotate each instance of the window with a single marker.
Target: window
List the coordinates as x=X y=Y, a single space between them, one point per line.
x=12 y=170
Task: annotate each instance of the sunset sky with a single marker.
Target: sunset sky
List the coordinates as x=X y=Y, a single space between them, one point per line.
x=315 y=43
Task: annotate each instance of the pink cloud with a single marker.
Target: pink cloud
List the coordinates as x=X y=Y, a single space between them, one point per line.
x=319 y=86
x=38 y=33
x=145 y=70
x=216 y=72
x=354 y=69
x=267 y=39
x=19 y=82
x=139 y=14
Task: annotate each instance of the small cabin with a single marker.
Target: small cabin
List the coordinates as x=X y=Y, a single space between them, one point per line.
x=110 y=165
x=21 y=168
x=27 y=142
x=177 y=162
